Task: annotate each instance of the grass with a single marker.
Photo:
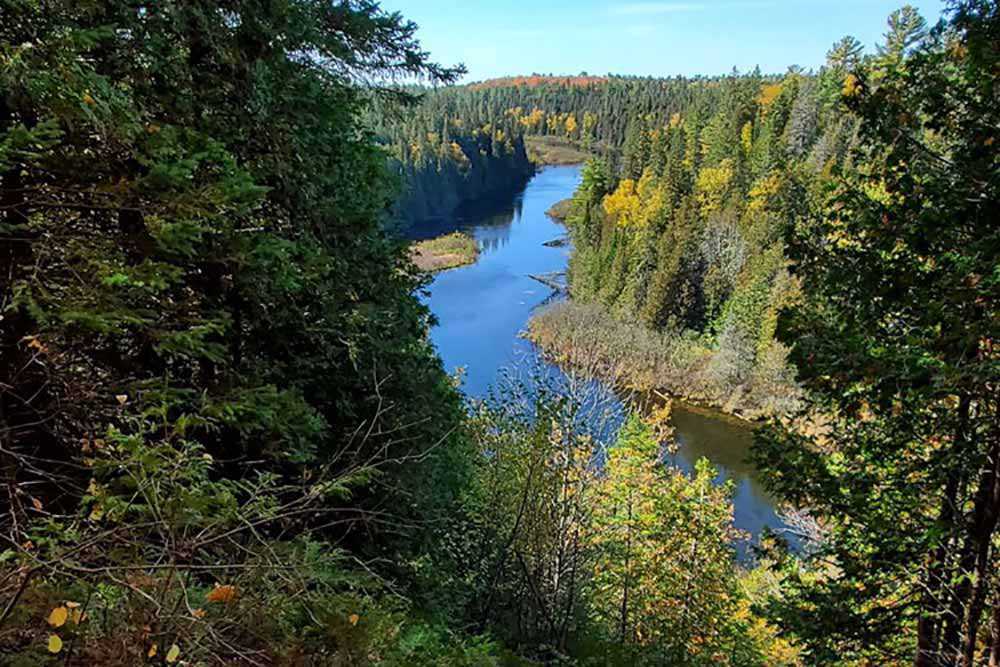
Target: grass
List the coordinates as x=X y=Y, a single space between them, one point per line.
x=445 y=252
x=555 y=151
x=631 y=357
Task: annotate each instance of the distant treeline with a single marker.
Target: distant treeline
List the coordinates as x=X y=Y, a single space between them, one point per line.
x=446 y=162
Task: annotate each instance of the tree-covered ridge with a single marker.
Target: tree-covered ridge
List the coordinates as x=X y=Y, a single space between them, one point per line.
x=536 y=80
x=445 y=164
x=683 y=233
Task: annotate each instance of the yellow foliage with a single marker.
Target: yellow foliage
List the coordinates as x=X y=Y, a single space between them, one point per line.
x=768 y=93
x=55 y=644
x=570 y=124
x=533 y=120
x=58 y=616
x=746 y=137
x=676 y=121
x=634 y=204
x=852 y=86
x=877 y=193
x=712 y=186
x=173 y=653
x=623 y=202
x=762 y=192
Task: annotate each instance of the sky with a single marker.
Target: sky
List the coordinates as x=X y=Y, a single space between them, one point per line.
x=647 y=38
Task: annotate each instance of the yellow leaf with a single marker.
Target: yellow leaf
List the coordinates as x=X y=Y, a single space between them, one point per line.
x=77 y=616
x=88 y=99
x=173 y=653
x=57 y=617
x=852 y=86
x=72 y=605
x=122 y=399
x=354 y=618
x=151 y=653
x=55 y=644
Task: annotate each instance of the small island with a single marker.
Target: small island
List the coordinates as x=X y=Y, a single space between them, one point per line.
x=445 y=252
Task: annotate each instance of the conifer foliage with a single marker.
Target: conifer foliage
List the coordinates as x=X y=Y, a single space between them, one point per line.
x=212 y=361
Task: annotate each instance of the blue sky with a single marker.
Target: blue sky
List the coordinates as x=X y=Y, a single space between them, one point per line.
x=660 y=38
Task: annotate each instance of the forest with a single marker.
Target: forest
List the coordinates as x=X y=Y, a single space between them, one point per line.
x=226 y=438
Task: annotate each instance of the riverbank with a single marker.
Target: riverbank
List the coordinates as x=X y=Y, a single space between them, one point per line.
x=547 y=150
x=561 y=210
x=445 y=252
x=632 y=358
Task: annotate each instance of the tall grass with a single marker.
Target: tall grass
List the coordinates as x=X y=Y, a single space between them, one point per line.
x=632 y=357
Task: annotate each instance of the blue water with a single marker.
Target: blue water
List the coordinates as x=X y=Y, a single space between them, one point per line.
x=482 y=309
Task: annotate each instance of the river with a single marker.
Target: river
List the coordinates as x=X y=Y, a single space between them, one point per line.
x=482 y=309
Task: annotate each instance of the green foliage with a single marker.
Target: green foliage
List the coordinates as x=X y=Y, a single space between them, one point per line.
x=582 y=554
x=214 y=364
x=686 y=236
x=895 y=338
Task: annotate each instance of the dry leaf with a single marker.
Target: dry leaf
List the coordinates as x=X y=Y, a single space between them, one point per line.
x=225 y=593
x=57 y=617
x=72 y=605
x=37 y=504
x=122 y=399
x=151 y=653
x=354 y=618
x=55 y=644
x=198 y=613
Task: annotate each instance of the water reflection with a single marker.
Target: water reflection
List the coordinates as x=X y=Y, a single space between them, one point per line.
x=726 y=443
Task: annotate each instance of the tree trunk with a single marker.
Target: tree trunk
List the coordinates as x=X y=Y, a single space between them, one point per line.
x=985 y=530
x=932 y=607
x=995 y=639
x=626 y=582
x=964 y=614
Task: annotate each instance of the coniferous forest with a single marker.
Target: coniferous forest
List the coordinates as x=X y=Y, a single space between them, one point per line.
x=226 y=437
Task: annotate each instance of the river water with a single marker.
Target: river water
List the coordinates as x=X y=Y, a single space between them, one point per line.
x=482 y=308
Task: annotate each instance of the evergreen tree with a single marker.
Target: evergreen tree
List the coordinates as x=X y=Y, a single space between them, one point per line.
x=895 y=340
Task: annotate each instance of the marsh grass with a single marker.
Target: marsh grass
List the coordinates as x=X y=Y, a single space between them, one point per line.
x=445 y=252
x=634 y=358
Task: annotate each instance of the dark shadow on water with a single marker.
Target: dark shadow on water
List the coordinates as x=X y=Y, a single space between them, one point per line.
x=495 y=212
